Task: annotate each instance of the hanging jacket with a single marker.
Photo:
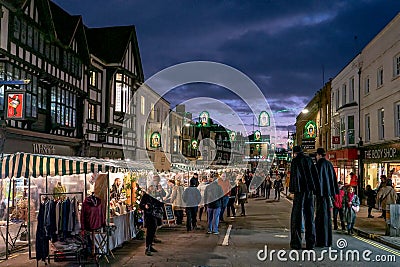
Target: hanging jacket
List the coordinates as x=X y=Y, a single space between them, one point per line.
x=93 y=215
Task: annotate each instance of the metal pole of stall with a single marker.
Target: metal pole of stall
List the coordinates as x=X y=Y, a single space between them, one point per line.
x=8 y=216
x=29 y=218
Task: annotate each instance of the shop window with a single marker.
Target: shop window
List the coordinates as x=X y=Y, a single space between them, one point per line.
x=367 y=128
x=381 y=124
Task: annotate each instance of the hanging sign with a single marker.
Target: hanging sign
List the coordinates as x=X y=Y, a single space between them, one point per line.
x=155 y=140
x=263 y=119
x=310 y=130
x=15 y=105
x=335 y=139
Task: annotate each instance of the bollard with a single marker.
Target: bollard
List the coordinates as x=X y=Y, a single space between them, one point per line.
x=394 y=220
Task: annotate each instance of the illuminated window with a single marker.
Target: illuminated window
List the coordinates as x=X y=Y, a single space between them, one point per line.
x=93 y=78
x=123 y=83
x=142 y=103
x=152 y=111
x=92 y=111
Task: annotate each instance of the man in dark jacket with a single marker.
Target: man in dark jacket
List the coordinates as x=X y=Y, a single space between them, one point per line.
x=152 y=211
x=213 y=199
x=303 y=180
x=191 y=198
x=325 y=190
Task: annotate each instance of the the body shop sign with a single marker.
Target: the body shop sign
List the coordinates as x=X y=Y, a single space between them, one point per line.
x=382 y=152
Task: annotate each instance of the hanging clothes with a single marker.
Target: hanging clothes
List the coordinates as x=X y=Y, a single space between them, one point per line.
x=92 y=215
x=42 y=239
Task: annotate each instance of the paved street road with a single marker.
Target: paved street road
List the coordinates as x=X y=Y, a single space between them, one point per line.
x=267 y=224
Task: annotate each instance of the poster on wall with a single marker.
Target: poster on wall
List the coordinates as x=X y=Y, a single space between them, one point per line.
x=15 y=105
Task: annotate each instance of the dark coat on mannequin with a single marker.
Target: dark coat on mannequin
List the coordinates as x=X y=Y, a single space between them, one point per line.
x=327 y=188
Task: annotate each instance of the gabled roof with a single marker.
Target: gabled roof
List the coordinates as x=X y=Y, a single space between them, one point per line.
x=64 y=23
x=110 y=43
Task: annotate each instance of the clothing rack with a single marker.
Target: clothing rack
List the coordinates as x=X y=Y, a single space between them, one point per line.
x=29 y=223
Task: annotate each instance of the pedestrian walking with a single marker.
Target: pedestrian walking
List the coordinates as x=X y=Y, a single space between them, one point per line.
x=231 y=203
x=225 y=184
x=191 y=198
x=325 y=190
x=303 y=180
x=382 y=184
x=371 y=199
x=278 y=186
x=268 y=186
x=351 y=204
x=287 y=182
x=152 y=211
x=338 y=207
x=241 y=195
x=202 y=187
x=213 y=199
x=177 y=201
x=387 y=196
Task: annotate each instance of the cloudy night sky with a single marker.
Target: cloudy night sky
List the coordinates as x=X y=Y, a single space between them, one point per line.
x=288 y=48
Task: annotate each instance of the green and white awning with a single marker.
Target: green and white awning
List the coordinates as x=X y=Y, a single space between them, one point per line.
x=35 y=165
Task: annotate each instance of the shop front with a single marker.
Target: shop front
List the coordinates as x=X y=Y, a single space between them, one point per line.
x=382 y=159
x=344 y=161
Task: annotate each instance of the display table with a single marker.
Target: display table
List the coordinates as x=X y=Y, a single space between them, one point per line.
x=123 y=231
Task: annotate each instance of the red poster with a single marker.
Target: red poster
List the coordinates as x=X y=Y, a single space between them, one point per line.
x=15 y=103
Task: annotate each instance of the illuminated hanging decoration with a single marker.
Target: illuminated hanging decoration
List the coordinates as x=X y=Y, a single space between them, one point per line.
x=195 y=144
x=263 y=119
x=232 y=135
x=257 y=135
x=204 y=118
x=310 y=130
x=290 y=144
x=155 y=140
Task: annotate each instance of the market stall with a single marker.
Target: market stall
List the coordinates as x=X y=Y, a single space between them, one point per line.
x=46 y=182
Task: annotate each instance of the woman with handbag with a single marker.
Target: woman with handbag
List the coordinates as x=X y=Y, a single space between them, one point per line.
x=351 y=205
x=241 y=195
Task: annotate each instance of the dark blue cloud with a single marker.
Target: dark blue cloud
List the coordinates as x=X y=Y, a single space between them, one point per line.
x=289 y=48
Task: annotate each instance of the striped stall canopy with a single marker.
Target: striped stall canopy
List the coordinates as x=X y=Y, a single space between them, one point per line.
x=34 y=165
